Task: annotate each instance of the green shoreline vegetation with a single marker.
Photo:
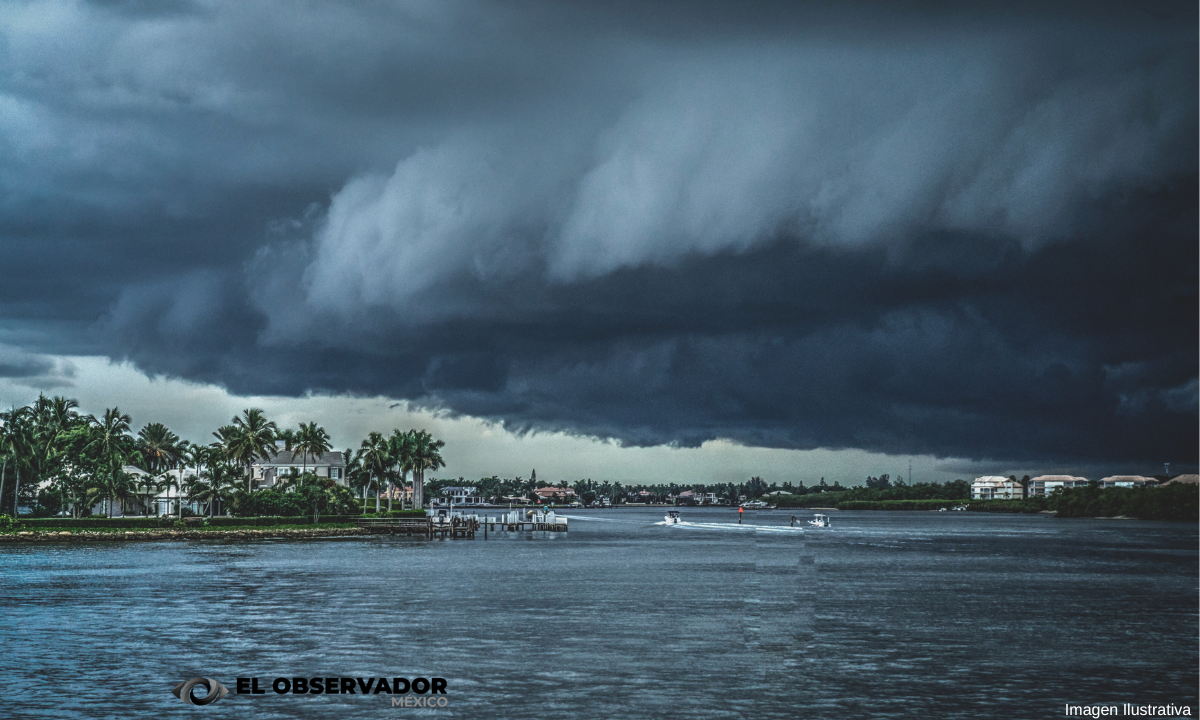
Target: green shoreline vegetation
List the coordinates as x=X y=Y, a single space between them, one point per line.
x=58 y=462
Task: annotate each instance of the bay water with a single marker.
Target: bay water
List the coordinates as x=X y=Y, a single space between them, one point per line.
x=882 y=615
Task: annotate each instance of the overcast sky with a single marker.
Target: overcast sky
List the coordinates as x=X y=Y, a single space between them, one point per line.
x=636 y=241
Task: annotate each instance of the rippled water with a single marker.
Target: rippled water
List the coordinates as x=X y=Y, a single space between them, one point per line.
x=937 y=615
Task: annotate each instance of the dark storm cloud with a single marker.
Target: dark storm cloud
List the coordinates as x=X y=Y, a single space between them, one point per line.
x=907 y=228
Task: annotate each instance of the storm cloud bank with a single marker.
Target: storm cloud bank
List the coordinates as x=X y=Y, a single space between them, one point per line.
x=900 y=229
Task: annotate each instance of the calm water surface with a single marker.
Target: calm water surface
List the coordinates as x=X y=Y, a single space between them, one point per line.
x=888 y=615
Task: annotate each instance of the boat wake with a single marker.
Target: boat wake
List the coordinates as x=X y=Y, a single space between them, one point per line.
x=732 y=526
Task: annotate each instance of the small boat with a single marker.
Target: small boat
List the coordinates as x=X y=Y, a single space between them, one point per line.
x=819 y=521
x=672 y=517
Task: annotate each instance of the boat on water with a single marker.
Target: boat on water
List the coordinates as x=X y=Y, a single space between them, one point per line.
x=672 y=517
x=755 y=505
x=819 y=521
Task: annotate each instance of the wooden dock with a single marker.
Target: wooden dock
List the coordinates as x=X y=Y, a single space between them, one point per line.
x=429 y=527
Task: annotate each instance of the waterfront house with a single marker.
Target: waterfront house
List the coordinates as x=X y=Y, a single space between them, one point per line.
x=459 y=497
x=688 y=497
x=1046 y=484
x=1127 y=481
x=398 y=493
x=268 y=473
x=553 y=494
x=152 y=495
x=642 y=496
x=994 y=487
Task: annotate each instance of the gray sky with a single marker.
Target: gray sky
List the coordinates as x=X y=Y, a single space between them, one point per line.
x=882 y=230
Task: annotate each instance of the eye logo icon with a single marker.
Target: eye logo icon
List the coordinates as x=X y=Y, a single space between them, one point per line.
x=215 y=691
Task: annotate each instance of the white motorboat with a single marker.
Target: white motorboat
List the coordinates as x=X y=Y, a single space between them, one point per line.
x=819 y=521
x=672 y=517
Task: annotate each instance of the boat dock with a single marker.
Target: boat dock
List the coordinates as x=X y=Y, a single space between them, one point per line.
x=466 y=526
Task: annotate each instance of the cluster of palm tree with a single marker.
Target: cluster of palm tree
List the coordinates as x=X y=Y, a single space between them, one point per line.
x=62 y=460
x=382 y=465
x=52 y=455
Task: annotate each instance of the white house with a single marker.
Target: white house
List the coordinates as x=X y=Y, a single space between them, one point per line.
x=688 y=497
x=160 y=499
x=994 y=487
x=460 y=496
x=267 y=473
x=1046 y=484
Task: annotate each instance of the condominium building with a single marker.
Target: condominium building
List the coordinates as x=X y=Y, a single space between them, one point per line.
x=1128 y=481
x=994 y=487
x=1046 y=484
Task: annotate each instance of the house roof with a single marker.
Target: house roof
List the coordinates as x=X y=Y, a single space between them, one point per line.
x=284 y=457
x=1127 y=478
x=992 y=479
x=1059 y=478
x=1184 y=480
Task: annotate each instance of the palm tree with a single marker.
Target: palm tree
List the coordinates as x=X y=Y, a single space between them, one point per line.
x=401 y=447
x=197 y=458
x=161 y=450
x=311 y=440
x=356 y=477
x=426 y=456
x=229 y=442
x=54 y=417
x=375 y=458
x=61 y=464
x=216 y=483
x=112 y=445
x=16 y=443
x=255 y=439
x=37 y=429
x=180 y=484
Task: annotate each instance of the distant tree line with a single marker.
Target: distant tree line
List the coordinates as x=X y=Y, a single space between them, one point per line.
x=494 y=488
x=1170 y=502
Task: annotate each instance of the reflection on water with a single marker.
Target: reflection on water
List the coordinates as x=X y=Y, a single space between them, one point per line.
x=882 y=615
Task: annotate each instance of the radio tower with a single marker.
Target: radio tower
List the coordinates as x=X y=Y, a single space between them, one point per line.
x=910 y=471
